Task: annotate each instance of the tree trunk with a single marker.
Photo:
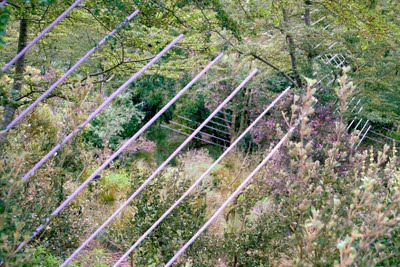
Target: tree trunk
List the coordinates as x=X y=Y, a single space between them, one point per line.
x=235 y=260
x=11 y=106
x=292 y=49
x=307 y=13
x=245 y=112
x=307 y=21
x=232 y=130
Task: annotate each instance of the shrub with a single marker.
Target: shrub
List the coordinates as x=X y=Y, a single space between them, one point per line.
x=113 y=186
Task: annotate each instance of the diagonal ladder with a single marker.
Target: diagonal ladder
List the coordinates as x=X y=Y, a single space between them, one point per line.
x=201 y=178
x=161 y=167
x=83 y=185
x=100 y=108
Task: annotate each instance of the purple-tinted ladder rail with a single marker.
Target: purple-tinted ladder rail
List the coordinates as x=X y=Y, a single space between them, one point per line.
x=40 y=36
x=230 y=198
x=69 y=137
x=72 y=69
x=161 y=167
x=100 y=108
x=201 y=178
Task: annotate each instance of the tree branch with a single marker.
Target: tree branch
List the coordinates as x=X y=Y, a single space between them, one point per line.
x=13 y=5
x=119 y=64
x=37 y=92
x=252 y=54
x=275 y=68
x=172 y=13
x=115 y=66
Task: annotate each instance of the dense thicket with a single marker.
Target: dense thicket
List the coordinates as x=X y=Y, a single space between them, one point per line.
x=320 y=202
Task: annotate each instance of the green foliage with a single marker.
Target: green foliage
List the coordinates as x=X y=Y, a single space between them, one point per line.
x=119 y=179
x=41 y=137
x=13 y=217
x=153 y=92
x=21 y=209
x=4 y=17
x=262 y=240
x=110 y=127
x=194 y=107
x=166 y=143
x=147 y=207
x=43 y=258
x=320 y=203
x=309 y=217
x=337 y=227
x=112 y=185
